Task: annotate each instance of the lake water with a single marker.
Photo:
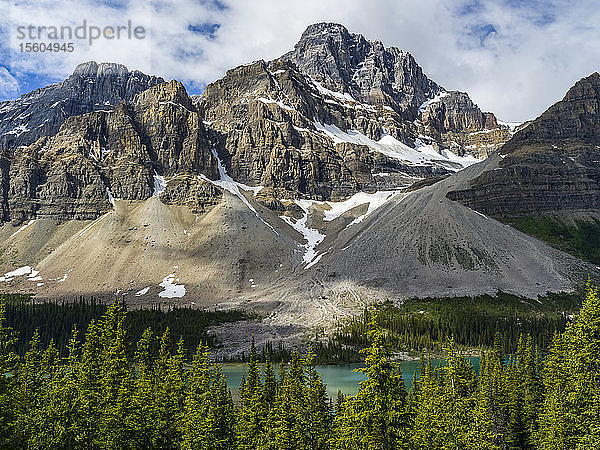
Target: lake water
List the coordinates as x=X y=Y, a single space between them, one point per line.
x=339 y=376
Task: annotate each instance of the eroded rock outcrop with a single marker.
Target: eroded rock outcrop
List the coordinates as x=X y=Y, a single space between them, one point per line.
x=108 y=154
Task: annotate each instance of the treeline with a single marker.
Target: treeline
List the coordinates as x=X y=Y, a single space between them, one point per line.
x=473 y=322
x=99 y=397
x=55 y=321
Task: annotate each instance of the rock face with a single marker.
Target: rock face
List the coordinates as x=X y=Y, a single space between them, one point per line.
x=121 y=153
x=370 y=73
x=456 y=123
x=280 y=131
x=338 y=115
x=549 y=165
x=348 y=63
x=91 y=87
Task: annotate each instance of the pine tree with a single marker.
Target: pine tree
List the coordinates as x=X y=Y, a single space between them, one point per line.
x=29 y=378
x=55 y=424
x=145 y=408
x=571 y=409
x=251 y=415
x=87 y=376
x=493 y=388
x=318 y=410
x=169 y=393
x=270 y=385
x=8 y=363
x=208 y=421
x=116 y=381
x=376 y=417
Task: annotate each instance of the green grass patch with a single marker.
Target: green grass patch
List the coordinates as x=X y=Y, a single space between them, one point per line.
x=581 y=240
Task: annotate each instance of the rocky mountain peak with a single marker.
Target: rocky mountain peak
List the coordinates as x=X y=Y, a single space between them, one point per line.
x=371 y=73
x=91 y=87
x=105 y=69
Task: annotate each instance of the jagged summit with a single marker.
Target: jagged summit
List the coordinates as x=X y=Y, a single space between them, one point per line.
x=348 y=62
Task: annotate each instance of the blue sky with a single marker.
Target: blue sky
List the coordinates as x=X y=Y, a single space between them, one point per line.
x=514 y=57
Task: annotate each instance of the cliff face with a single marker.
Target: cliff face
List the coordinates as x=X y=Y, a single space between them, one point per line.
x=281 y=131
x=91 y=87
x=336 y=116
x=549 y=165
x=121 y=153
x=456 y=123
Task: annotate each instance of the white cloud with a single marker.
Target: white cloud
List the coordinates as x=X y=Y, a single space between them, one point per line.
x=9 y=86
x=537 y=50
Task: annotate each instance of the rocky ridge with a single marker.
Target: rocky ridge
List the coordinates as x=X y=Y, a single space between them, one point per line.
x=550 y=165
x=91 y=87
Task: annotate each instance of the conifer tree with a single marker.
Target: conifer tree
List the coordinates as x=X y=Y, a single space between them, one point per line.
x=8 y=363
x=318 y=410
x=116 y=382
x=28 y=381
x=251 y=415
x=208 y=420
x=55 y=424
x=571 y=409
x=144 y=412
x=169 y=392
x=270 y=385
x=376 y=417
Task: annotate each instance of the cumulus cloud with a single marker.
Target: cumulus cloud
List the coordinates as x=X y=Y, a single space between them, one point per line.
x=513 y=57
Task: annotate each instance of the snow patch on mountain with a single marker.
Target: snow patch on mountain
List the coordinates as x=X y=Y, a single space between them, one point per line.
x=393 y=148
x=22 y=228
x=159 y=185
x=18 y=130
x=170 y=289
x=233 y=187
x=311 y=235
x=437 y=98
x=279 y=103
x=374 y=201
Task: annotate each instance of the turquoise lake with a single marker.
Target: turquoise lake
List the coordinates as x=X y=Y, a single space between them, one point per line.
x=339 y=376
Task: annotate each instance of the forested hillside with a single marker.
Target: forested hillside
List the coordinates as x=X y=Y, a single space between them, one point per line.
x=102 y=397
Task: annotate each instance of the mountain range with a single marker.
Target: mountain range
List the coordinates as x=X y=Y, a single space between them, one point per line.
x=303 y=187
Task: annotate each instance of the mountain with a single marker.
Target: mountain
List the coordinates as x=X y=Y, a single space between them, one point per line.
x=302 y=187
x=91 y=87
x=119 y=153
x=391 y=78
x=551 y=165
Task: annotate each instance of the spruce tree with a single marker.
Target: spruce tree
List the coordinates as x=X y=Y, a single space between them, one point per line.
x=8 y=363
x=318 y=410
x=116 y=382
x=376 y=417
x=571 y=409
x=251 y=415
